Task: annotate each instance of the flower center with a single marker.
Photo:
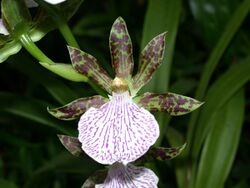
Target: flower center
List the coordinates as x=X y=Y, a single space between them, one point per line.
x=119 y=85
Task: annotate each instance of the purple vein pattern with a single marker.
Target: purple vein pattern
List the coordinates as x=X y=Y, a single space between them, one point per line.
x=119 y=131
x=129 y=176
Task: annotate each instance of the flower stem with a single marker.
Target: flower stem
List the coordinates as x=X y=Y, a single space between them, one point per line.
x=61 y=23
x=31 y=47
x=67 y=34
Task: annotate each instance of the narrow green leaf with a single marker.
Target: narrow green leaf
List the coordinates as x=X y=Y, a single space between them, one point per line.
x=62 y=162
x=66 y=71
x=219 y=93
x=121 y=49
x=161 y=16
x=173 y=103
x=88 y=65
x=77 y=107
x=56 y=87
x=30 y=109
x=221 y=143
x=230 y=29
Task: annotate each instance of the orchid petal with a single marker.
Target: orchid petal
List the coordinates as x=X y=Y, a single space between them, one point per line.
x=129 y=176
x=88 y=65
x=121 y=49
x=76 y=108
x=117 y=131
x=150 y=59
x=72 y=144
x=54 y=2
x=3 y=29
x=173 y=103
x=160 y=153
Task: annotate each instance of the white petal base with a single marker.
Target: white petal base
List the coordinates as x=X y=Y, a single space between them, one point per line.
x=130 y=176
x=119 y=131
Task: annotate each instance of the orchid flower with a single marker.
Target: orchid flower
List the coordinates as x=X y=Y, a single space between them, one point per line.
x=29 y=4
x=119 y=175
x=121 y=128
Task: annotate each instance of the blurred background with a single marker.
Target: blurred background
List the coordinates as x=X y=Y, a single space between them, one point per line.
x=207 y=58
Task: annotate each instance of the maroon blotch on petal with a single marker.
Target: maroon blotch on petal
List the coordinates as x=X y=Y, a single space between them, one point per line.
x=88 y=65
x=172 y=103
x=77 y=107
x=72 y=144
x=150 y=59
x=121 y=49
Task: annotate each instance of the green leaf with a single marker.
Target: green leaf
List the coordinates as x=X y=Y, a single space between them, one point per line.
x=173 y=103
x=221 y=143
x=212 y=16
x=219 y=93
x=16 y=15
x=88 y=65
x=161 y=16
x=62 y=162
x=30 y=109
x=77 y=107
x=53 y=84
x=66 y=71
x=231 y=28
x=121 y=49
x=7 y=184
x=150 y=59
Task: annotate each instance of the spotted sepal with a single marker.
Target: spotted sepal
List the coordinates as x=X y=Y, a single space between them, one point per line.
x=88 y=65
x=160 y=153
x=72 y=144
x=76 y=108
x=97 y=178
x=150 y=59
x=173 y=103
x=121 y=49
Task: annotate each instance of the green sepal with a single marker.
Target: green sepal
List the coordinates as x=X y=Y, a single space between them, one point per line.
x=16 y=16
x=160 y=153
x=66 y=71
x=174 y=104
x=121 y=49
x=97 y=178
x=72 y=144
x=88 y=65
x=150 y=59
x=77 y=107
